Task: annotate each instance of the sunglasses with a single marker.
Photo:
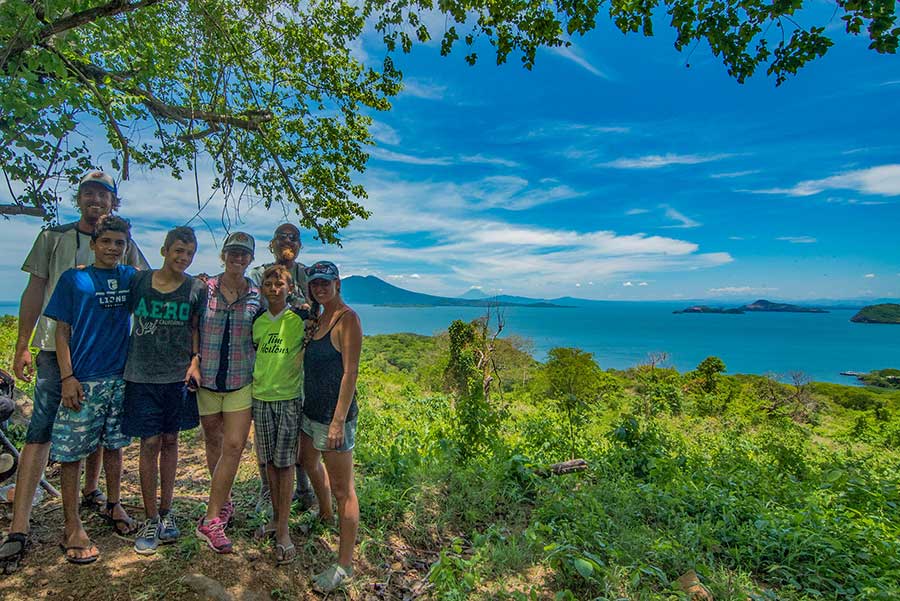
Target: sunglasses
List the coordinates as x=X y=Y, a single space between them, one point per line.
x=287 y=236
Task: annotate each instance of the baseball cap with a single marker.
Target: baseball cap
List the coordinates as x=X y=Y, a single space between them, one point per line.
x=101 y=179
x=239 y=241
x=322 y=270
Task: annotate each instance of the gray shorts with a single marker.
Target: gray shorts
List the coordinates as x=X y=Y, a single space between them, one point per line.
x=319 y=434
x=277 y=425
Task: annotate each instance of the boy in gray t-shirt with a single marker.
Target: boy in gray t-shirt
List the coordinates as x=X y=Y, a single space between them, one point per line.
x=161 y=377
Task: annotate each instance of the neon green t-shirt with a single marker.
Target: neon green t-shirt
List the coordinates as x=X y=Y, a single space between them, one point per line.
x=278 y=371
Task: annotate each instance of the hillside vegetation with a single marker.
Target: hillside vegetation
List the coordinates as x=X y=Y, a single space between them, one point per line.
x=767 y=489
x=884 y=313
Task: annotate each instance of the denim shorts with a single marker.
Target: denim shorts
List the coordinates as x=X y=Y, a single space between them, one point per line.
x=154 y=409
x=319 y=434
x=47 y=393
x=77 y=434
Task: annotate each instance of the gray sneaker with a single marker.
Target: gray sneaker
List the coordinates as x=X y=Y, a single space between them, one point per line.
x=168 y=529
x=147 y=539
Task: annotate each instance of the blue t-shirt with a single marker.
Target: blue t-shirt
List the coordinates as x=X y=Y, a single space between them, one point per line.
x=94 y=302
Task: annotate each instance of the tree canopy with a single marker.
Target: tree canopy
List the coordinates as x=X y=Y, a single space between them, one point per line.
x=271 y=93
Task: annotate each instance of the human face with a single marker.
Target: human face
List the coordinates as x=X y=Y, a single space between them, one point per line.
x=94 y=201
x=108 y=249
x=285 y=244
x=237 y=260
x=179 y=256
x=275 y=289
x=323 y=290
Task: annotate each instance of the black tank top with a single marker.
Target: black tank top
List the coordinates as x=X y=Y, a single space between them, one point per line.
x=323 y=369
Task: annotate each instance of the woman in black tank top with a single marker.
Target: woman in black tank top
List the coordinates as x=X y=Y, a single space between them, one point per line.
x=328 y=429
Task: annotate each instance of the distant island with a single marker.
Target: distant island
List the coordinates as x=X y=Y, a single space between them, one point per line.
x=759 y=306
x=370 y=290
x=885 y=313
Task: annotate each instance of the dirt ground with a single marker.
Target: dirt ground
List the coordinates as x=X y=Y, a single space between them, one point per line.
x=387 y=570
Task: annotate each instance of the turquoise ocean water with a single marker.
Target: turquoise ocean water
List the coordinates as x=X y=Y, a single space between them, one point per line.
x=620 y=334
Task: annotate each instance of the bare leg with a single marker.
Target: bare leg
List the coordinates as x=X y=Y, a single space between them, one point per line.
x=92 y=465
x=236 y=426
x=74 y=533
x=212 y=436
x=340 y=474
x=112 y=466
x=318 y=477
x=32 y=462
x=168 y=464
x=149 y=471
x=281 y=479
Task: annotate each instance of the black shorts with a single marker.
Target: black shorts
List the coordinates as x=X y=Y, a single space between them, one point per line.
x=153 y=409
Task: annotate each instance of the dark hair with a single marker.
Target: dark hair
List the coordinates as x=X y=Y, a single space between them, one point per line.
x=280 y=270
x=182 y=233
x=111 y=223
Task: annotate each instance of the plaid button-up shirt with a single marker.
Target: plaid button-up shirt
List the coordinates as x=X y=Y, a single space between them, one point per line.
x=241 y=353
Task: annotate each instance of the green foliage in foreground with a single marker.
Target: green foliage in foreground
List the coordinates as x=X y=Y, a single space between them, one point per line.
x=768 y=490
x=762 y=500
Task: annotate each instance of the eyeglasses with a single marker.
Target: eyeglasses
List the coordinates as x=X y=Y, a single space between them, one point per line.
x=287 y=236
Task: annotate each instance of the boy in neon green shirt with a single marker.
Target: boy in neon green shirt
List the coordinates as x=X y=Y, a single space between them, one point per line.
x=277 y=389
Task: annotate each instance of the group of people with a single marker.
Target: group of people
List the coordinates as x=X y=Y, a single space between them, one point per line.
x=132 y=352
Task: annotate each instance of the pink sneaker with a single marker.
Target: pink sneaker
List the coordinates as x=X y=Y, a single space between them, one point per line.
x=226 y=514
x=213 y=532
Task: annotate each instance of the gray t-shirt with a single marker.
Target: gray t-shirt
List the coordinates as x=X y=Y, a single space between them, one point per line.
x=159 y=350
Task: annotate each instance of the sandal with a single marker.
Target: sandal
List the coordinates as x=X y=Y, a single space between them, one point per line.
x=12 y=550
x=264 y=532
x=94 y=500
x=285 y=554
x=80 y=560
x=122 y=527
x=333 y=578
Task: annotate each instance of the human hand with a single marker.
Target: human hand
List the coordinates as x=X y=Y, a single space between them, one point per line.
x=72 y=393
x=336 y=434
x=22 y=364
x=192 y=377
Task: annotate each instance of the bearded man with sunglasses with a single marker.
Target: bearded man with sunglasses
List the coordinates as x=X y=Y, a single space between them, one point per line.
x=285 y=247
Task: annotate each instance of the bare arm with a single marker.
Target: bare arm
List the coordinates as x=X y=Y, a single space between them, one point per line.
x=349 y=332
x=29 y=312
x=192 y=376
x=72 y=392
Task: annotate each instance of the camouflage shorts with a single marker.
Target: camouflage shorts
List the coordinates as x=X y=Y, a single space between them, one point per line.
x=77 y=434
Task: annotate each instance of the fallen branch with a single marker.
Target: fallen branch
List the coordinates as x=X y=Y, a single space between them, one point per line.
x=566 y=467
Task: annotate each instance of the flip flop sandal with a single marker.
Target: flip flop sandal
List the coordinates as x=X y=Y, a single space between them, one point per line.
x=131 y=526
x=94 y=500
x=285 y=554
x=79 y=560
x=9 y=560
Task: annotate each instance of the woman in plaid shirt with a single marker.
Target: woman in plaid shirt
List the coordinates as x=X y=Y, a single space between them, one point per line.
x=226 y=373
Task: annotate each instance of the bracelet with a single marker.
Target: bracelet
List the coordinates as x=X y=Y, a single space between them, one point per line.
x=66 y=378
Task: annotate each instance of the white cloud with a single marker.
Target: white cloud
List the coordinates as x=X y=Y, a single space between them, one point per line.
x=408 y=159
x=627 y=284
x=736 y=238
x=684 y=222
x=733 y=174
x=486 y=160
x=643 y=284
x=574 y=54
x=798 y=239
x=384 y=133
x=423 y=89
x=741 y=290
x=655 y=161
x=869 y=276
x=883 y=180
x=415 y=276
x=637 y=211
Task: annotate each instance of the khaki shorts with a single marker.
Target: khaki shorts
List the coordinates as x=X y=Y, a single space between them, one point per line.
x=210 y=402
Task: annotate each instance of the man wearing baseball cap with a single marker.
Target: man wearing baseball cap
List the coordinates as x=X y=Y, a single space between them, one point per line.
x=55 y=250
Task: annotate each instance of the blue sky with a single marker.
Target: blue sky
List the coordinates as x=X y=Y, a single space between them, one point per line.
x=612 y=170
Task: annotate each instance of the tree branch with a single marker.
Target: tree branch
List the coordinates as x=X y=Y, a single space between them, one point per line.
x=111 y=9
x=17 y=209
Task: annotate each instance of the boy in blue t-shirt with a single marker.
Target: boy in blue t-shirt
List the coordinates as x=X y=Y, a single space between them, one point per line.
x=90 y=307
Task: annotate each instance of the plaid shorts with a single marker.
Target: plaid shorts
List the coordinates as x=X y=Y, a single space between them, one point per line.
x=77 y=434
x=277 y=425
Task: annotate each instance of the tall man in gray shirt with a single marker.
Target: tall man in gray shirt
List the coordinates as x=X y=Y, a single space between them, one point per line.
x=55 y=250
